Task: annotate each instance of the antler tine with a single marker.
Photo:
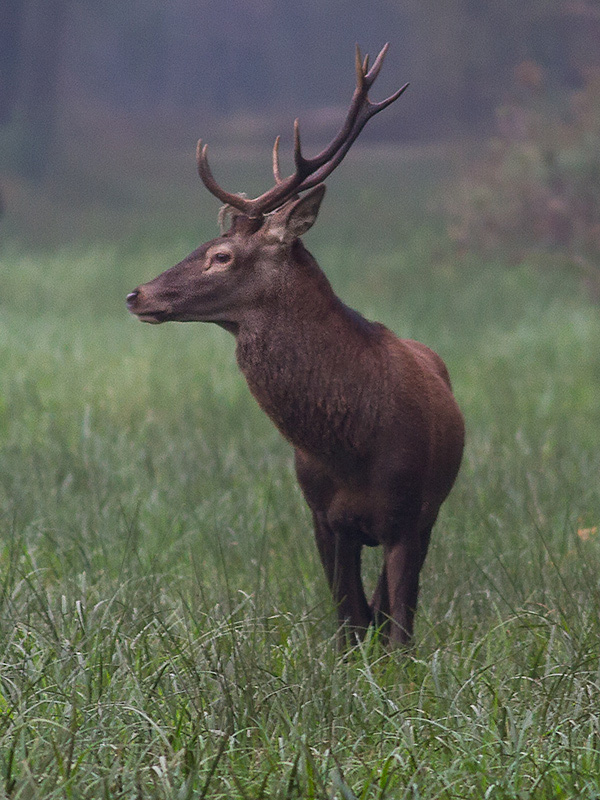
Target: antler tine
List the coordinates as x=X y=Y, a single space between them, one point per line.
x=303 y=166
x=213 y=187
x=376 y=107
x=360 y=75
x=372 y=74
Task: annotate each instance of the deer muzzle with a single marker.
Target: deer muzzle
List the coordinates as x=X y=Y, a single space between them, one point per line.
x=137 y=304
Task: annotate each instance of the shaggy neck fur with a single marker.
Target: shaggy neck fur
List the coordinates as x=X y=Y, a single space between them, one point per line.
x=295 y=358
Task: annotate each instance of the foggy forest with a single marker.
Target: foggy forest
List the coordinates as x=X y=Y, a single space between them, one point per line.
x=67 y=62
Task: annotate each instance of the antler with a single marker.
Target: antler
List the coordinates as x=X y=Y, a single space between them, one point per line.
x=308 y=171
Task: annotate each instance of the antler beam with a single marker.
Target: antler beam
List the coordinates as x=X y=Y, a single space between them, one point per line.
x=308 y=171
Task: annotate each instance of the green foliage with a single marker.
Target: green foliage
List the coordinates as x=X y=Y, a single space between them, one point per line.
x=538 y=184
x=165 y=628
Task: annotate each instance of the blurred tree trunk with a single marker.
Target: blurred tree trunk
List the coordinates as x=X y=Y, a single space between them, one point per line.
x=39 y=84
x=11 y=30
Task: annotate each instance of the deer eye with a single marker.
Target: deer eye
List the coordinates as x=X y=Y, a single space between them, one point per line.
x=222 y=257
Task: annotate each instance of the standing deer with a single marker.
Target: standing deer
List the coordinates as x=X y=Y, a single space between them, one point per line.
x=377 y=434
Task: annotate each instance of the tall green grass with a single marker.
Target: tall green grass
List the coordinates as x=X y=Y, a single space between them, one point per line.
x=166 y=631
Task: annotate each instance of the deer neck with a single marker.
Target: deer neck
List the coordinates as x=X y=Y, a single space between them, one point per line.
x=296 y=354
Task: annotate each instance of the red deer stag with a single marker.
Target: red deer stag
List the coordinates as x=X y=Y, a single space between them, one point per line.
x=377 y=434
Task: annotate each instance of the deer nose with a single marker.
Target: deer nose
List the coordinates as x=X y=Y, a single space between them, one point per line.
x=132 y=297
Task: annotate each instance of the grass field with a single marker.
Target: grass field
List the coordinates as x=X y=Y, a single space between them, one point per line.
x=166 y=629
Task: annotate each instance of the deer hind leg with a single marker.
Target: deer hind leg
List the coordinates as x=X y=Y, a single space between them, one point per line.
x=380 y=604
x=340 y=553
x=403 y=562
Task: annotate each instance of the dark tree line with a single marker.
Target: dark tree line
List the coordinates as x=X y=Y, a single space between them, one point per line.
x=31 y=43
x=264 y=55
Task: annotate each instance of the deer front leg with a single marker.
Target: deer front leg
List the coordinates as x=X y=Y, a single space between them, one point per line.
x=340 y=554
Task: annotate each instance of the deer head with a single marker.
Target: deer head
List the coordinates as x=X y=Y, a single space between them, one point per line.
x=232 y=276
x=226 y=278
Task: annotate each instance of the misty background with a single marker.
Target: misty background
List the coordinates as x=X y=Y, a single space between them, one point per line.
x=99 y=99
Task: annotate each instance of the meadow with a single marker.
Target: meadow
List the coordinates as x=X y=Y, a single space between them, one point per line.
x=166 y=630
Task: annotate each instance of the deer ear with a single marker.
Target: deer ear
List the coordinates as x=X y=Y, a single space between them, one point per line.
x=295 y=218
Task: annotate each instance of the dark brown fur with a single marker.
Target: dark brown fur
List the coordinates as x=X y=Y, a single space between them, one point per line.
x=377 y=434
